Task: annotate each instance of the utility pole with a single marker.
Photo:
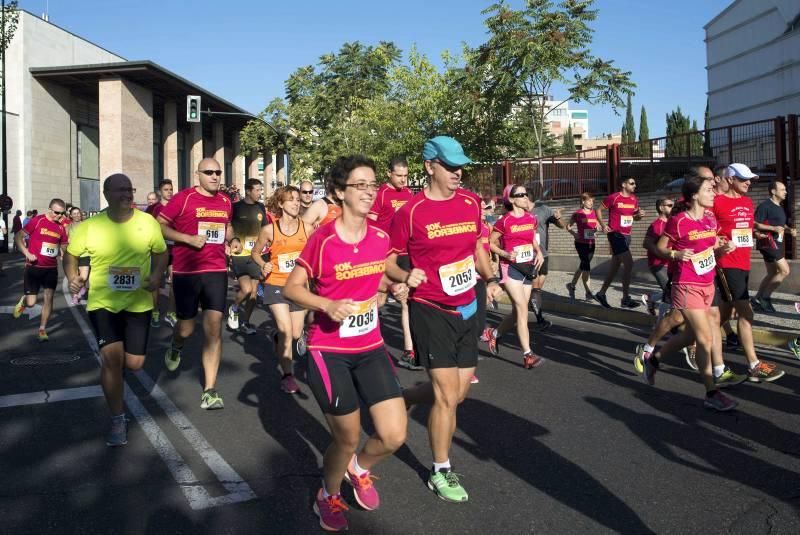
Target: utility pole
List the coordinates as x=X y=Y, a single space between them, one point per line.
x=3 y=123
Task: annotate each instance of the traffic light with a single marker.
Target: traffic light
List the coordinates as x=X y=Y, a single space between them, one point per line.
x=193 y=108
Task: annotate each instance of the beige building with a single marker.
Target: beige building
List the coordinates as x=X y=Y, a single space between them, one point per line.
x=77 y=113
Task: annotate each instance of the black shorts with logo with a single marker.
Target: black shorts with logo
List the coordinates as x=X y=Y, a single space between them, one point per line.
x=130 y=328
x=244 y=266
x=273 y=295
x=340 y=380
x=37 y=278
x=442 y=338
x=193 y=290
x=620 y=243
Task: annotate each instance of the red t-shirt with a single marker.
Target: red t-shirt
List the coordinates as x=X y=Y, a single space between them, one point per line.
x=388 y=200
x=587 y=226
x=485 y=232
x=46 y=239
x=698 y=235
x=654 y=232
x=440 y=238
x=343 y=270
x=620 y=212
x=517 y=234
x=735 y=222
x=191 y=212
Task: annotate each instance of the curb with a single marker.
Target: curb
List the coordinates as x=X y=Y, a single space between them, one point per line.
x=629 y=317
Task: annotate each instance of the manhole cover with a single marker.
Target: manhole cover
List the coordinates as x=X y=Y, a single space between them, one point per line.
x=45 y=359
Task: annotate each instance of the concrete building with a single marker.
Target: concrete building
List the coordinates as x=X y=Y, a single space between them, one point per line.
x=77 y=113
x=561 y=117
x=753 y=61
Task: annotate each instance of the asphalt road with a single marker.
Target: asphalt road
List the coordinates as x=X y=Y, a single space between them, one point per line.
x=579 y=445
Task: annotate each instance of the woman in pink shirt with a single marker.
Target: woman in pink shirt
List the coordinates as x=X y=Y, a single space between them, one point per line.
x=585 y=221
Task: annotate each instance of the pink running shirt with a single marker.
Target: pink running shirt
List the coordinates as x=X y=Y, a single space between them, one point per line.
x=700 y=236
x=620 y=212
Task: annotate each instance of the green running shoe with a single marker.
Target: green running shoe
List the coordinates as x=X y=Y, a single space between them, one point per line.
x=211 y=400
x=172 y=358
x=729 y=378
x=447 y=486
x=638 y=359
x=794 y=347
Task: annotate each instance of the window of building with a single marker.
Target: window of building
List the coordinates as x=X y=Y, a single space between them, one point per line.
x=88 y=152
x=158 y=153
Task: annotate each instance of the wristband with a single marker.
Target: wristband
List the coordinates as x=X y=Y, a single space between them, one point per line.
x=672 y=254
x=492 y=280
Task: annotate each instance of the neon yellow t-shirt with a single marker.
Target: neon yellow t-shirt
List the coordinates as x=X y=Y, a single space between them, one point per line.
x=120 y=255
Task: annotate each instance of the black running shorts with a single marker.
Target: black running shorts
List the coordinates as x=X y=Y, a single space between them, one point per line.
x=442 y=338
x=130 y=328
x=620 y=243
x=738 y=281
x=36 y=279
x=243 y=266
x=206 y=290
x=340 y=380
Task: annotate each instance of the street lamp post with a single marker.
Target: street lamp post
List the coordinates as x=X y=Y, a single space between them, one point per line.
x=3 y=122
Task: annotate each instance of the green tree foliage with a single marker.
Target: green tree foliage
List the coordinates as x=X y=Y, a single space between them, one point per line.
x=11 y=19
x=568 y=142
x=644 y=134
x=683 y=139
x=629 y=131
x=534 y=48
x=708 y=151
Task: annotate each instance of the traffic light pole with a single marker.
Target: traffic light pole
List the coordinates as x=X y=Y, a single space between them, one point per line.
x=3 y=126
x=281 y=135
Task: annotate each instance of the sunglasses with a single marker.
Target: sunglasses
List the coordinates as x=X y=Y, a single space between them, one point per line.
x=210 y=172
x=518 y=195
x=451 y=168
x=57 y=212
x=307 y=192
x=363 y=186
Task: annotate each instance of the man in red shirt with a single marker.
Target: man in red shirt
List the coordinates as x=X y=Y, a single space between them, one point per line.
x=623 y=210
x=46 y=235
x=165 y=192
x=735 y=221
x=198 y=221
x=389 y=198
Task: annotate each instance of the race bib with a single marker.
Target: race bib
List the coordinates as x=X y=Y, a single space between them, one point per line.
x=214 y=232
x=588 y=233
x=704 y=262
x=458 y=277
x=286 y=262
x=362 y=321
x=625 y=221
x=249 y=244
x=524 y=253
x=49 y=249
x=742 y=237
x=124 y=279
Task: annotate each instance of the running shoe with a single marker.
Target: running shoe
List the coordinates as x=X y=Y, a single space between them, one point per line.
x=155 y=320
x=474 y=380
x=76 y=298
x=758 y=304
x=544 y=324
x=649 y=303
x=172 y=358
x=485 y=334
x=211 y=400
x=446 y=485
x=289 y=385
x=19 y=308
x=732 y=341
x=330 y=511
x=627 y=302
x=247 y=328
x=729 y=378
x=766 y=302
x=492 y=342
x=765 y=372
x=301 y=345
x=409 y=361
x=650 y=365
x=638 y=359
x=42 y=335
x=589 y=296
x=794 y=347
x=118 y=436
x=691 y=356
x=363 y=489
x=601 y=298
x=171 y=319
x=531 y=360
x=233 y=318
x=571 y=291
x=719 y=402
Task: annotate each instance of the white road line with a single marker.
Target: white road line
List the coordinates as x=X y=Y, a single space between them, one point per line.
x=45 y=396
x=197 y=496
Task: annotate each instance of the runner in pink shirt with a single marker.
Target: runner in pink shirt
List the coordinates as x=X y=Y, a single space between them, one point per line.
x=585 y=235
x=46 y=235
x=346 y=261
x=198 y=221
x=658 y=266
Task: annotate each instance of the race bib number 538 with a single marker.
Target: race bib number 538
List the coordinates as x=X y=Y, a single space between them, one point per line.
x=286 y=262
x=458 y=277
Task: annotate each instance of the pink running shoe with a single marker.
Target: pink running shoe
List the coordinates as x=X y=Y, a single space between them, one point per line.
x=363 y=489
x=289 y=385
x=797 y=306
x=474 y=380
x=487 y=332
x=330 y=511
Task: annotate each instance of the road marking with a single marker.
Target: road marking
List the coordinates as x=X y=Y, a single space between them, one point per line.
x=33 y=312
x=197 y=496
x=51 y=396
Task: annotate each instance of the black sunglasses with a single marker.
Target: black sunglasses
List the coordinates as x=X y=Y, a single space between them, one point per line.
x=518 y=195
x=209 y=172
x=57 y=212
x=307 y=192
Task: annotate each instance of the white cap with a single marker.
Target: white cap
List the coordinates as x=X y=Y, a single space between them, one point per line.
x=740 y=171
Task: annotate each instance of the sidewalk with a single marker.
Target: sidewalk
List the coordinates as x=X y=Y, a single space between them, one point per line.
x=768 y=329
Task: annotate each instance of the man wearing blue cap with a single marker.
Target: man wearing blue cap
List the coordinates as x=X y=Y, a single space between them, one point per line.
x=440 y=231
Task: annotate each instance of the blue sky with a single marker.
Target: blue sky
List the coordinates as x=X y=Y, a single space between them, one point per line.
x=243 y=50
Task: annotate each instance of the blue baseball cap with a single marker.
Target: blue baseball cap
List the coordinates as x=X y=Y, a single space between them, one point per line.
x=446 y=149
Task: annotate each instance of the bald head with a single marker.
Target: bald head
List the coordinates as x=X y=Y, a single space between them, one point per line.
x=116 y=181
x=207 y=163
x=119 y=193
x=209 y=175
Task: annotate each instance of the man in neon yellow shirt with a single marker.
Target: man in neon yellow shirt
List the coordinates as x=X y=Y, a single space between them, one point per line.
x=120 y=243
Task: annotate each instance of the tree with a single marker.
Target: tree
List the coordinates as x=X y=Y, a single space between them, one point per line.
x=683 y=139
x=644 y=134
x=11 y=19
x=696 y=141
x=568 y=143
x=630 y=127
x=708 y=151
x=532 y=49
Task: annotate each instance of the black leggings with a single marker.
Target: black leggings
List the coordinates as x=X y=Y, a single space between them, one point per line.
x=585 y=253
